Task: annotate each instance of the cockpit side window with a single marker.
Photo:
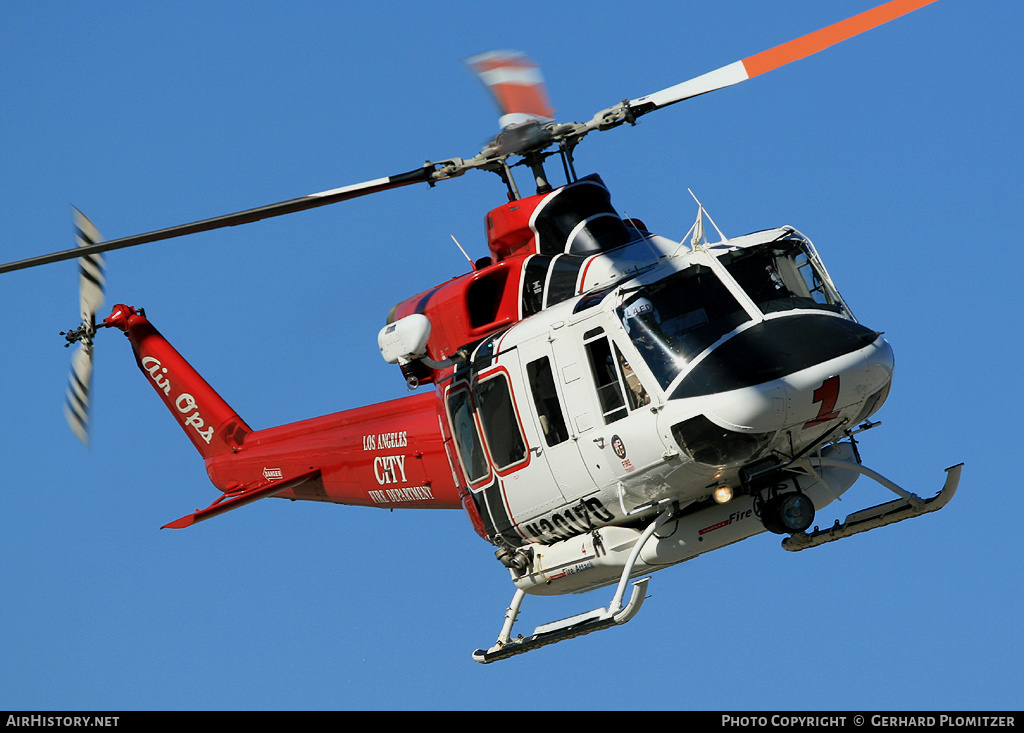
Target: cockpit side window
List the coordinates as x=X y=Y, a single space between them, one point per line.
x=815 y=284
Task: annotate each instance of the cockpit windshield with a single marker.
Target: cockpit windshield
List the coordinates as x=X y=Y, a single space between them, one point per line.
x=671 y=321
x=781 y=276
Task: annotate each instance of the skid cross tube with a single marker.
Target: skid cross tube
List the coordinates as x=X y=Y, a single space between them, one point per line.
x=584 y=623
x=907 y=506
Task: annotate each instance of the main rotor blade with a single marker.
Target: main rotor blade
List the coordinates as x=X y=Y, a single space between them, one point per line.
x=773 y=58
x=311 y=201
x=516 y=85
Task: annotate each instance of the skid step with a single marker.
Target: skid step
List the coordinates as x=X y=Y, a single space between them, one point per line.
x=906 y=507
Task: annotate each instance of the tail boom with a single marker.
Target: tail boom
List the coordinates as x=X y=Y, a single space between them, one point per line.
x=389 y=455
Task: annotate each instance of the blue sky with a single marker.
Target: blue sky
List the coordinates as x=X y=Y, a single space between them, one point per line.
x=898 y=153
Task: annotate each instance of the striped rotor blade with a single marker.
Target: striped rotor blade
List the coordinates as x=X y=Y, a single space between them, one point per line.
x=76 y=401
x=91 y=278
x=773 y=58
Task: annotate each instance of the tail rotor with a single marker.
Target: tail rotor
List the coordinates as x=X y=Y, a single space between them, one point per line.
x=91 y=285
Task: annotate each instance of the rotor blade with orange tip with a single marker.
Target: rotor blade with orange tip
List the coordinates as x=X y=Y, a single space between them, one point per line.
x=773 y=58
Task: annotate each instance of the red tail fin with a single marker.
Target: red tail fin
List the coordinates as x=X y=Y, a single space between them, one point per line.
x=209 y=422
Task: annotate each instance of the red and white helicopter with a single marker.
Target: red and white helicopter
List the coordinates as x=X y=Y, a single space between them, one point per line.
x=606 y=402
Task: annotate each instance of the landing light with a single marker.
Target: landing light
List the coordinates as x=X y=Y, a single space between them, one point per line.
x=722 y=494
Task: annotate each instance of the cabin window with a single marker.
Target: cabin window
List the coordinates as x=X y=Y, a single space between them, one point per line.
x=565 y=271
x=502 y=431
x=545 y=398
x=467 y=437
x=535 y=274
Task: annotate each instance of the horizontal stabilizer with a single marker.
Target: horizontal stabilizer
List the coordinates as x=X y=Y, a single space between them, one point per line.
x=240 y=497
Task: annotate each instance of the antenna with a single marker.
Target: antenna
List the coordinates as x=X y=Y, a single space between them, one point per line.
x=472 y=266
x=701 y=212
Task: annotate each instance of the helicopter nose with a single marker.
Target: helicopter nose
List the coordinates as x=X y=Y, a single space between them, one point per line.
x=847 y=389
x=777 y=348
x=801 y=374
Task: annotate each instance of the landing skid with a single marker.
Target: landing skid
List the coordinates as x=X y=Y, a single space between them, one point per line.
x=568 y=628
x=907 y=506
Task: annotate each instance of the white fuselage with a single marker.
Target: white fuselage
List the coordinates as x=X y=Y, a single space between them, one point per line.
x=659 y=389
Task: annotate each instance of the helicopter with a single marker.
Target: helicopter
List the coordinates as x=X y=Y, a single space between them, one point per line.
x=606 y=402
